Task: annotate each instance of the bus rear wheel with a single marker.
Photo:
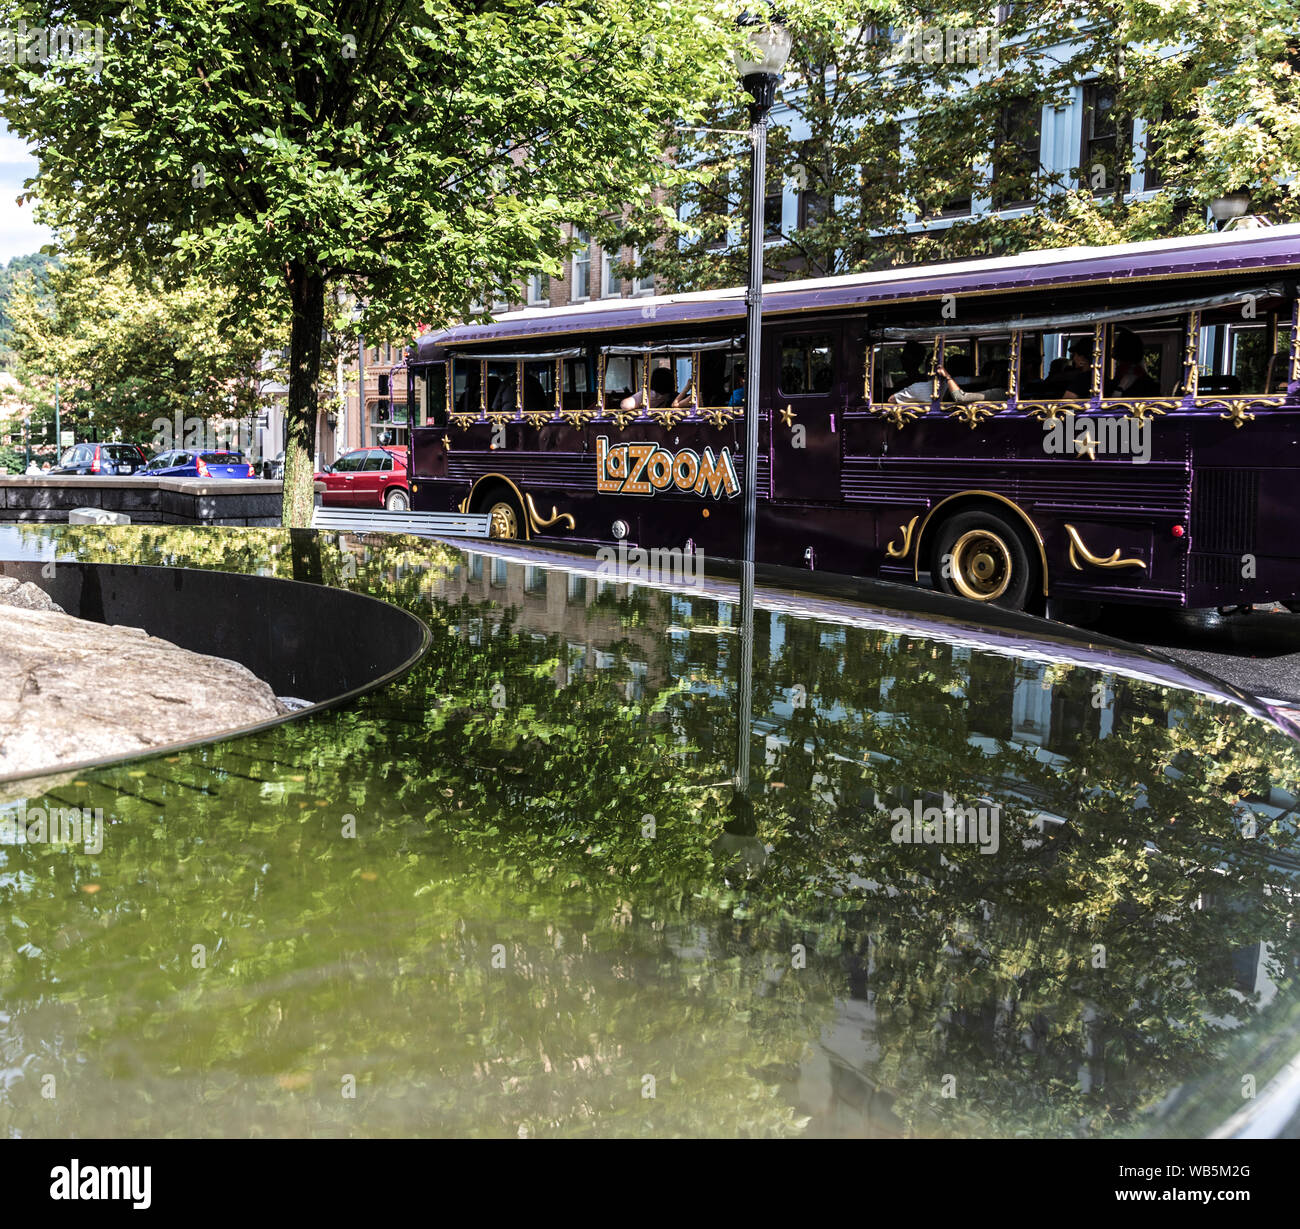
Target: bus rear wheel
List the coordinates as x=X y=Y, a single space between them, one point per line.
x=982 y=556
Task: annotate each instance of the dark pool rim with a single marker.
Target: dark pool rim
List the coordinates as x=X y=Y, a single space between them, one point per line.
x=308 y=593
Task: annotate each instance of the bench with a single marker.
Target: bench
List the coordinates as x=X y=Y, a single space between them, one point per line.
x=421 y=524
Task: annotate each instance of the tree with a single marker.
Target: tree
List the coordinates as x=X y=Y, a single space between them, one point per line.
x=133 y=353
x=416 y=153
x=931 y=108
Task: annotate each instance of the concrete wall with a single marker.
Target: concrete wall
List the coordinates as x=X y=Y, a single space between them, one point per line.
x=151 y=501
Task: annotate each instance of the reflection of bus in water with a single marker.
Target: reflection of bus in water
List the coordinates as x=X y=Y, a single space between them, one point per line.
x=1112 y=423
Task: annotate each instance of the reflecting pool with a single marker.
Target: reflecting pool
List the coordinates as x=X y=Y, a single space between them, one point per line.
x=509 y=895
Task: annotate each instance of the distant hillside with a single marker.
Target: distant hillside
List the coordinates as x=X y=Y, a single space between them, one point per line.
x=37 y=263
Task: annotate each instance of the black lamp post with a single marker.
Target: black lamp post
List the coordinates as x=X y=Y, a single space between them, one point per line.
x=760 y=64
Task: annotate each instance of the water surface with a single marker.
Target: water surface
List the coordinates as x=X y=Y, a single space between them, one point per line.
x=510 y=894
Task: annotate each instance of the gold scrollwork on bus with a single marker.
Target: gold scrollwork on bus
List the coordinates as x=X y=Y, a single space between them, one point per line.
x=976 y=412
x=1141 y=408
x=668 y=415
x=721 y=416
x=463 y=420
x=900 y=413
x=1113 y=560
x=539 y=418
x=1049 y=409
x=579 y=416
x=902 y=552
x=1238 y=414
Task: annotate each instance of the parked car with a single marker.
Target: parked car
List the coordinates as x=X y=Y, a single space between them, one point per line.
x=273 y=467
x=105 y=459
x=367 y=478
x=194 y=463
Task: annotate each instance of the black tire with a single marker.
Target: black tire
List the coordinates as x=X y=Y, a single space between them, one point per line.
x=500 y=504
x=983 y=556
x=397 y=500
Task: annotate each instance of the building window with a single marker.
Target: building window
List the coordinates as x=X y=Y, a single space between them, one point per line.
x=1017 y=154
x=611 y=285
x=811 y=185
x=772 y=210
x=582 y=266
x=1105 y=153
x=879 y=181
x=642 y=283
x=539 y=289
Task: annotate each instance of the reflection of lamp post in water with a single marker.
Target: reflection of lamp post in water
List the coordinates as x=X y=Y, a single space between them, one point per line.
x=760 y=64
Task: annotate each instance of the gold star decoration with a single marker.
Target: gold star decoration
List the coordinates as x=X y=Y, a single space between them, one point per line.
x=446 y=442
x=788 y=416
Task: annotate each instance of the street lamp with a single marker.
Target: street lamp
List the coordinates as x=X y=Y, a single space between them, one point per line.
x=760 y=64
x=1229 y=206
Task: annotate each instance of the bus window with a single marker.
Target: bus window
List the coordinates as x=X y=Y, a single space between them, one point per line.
x=578 y=386
x=719 y=377
x=501 y=388
x=622 y=378
x=1248 y=365
x=807 y=364
x=466 y=389
x=1144 y=360
x=539 y=388
x=897 y=365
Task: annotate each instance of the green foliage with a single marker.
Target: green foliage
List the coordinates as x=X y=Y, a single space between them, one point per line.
x=889 y=139
x=411 y=152
x=38 y=265
x=133 y=352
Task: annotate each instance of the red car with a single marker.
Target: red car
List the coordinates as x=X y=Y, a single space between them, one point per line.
x=367 y=478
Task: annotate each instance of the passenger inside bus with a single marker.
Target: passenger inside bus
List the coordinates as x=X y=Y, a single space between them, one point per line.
x=912 y=357
x=1131 y=378
x=1075 y=383
x=991 y=386
x=468 y=401
x=663 y=391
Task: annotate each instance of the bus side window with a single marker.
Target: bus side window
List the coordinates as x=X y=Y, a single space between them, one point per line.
x=431 y=396
x=577 y=390
x=807 y=364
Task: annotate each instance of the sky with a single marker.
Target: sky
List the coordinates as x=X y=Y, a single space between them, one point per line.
x=19 y=235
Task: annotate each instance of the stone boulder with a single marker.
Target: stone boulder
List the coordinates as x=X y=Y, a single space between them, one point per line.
x=26 y=595
x=72 y=690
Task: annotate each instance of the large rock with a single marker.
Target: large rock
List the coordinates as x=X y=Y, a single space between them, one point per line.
x=23 y=593
x=72 y=690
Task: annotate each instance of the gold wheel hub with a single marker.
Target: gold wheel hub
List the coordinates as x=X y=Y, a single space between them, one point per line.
x=981 y=565
x=503 y=522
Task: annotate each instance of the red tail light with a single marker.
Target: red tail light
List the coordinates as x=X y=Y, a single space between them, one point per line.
x=94 y=462
x=203 y=469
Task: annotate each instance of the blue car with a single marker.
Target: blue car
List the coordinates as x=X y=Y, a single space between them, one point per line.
x=195 y=463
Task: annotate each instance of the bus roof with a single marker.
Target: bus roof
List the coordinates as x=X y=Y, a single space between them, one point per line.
x=1273 y=248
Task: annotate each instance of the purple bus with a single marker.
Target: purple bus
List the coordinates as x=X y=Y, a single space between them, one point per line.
x=1115 y=424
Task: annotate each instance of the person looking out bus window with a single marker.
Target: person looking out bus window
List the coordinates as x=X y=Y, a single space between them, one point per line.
x=1076 y=383
x=995 y=389
x=920 y=391
x=1131 y=376
x=663 y=390
x=912 y=357
x=737 y=397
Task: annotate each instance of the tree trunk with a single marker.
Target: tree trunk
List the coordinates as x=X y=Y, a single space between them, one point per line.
x=307 y=295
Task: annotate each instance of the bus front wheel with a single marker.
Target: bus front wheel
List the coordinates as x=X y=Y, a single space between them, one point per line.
x=982 y=556
x=505 y=516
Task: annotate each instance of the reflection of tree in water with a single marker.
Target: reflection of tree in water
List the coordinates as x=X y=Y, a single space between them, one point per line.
x=1065 y=983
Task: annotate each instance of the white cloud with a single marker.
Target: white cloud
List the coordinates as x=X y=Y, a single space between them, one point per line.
x=19 y=233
